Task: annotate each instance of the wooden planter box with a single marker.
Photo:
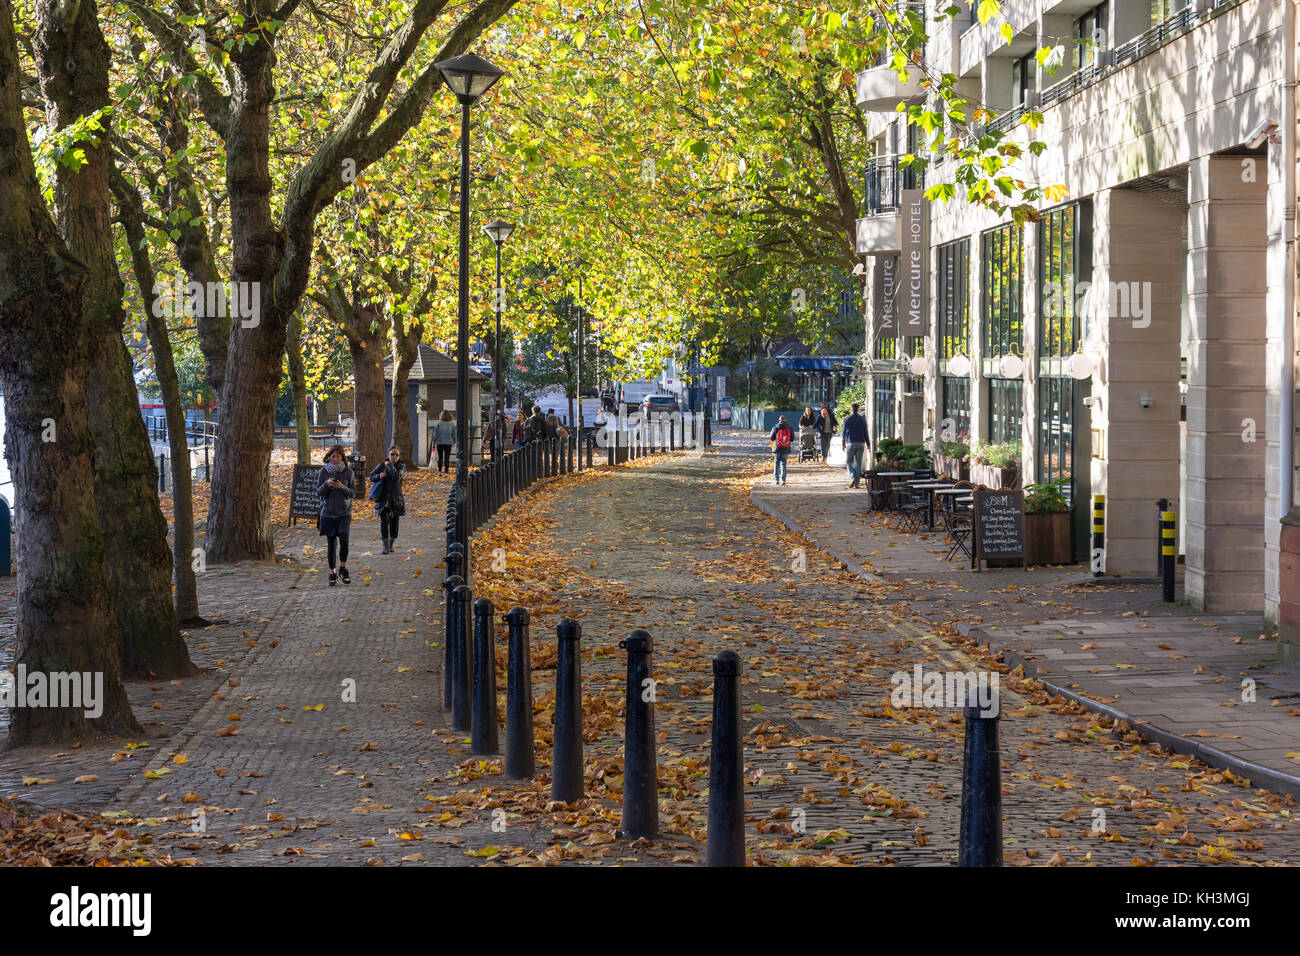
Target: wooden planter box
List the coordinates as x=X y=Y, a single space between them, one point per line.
x=995 y=478
x=1047 y=538
x=953 y=468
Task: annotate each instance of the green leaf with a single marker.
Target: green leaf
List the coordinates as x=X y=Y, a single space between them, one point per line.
x=988 y=9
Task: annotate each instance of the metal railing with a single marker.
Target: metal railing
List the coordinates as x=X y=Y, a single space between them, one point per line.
x=882 y=25
x=884 y=183
x=1163 y=33
x=197 y=431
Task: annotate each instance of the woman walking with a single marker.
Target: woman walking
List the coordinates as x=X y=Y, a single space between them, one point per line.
x=336 y=488
x=827 y=426
x=390 y=504
x=518 y=433
x=444 y=436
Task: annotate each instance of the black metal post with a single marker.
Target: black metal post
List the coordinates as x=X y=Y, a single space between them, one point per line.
x=449 y=649
x=461 y=659
x=519 y=763
x=980 y=839
x=483 y=729
x=1168 y=551
x=496 y=363
x=567 y=784
x=726 y=836
x=640 y=768
x=462 y=348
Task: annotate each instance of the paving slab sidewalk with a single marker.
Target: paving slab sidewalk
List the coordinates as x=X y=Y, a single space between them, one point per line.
x=1208 y=685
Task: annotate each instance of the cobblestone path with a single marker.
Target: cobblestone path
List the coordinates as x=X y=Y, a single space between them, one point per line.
x=285 y=770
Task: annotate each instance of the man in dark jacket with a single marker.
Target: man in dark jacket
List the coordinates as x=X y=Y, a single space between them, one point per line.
x=535 y=426
x=855 y=441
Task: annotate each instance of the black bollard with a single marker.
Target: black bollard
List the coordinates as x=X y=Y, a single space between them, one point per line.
x=483 y=720
x=1098 y=532
x=980 y=842
x=449 y=586
x=461 y=660
x=1168 y=553
x=566 y=748
x=640 y=769
x=519 y=698
x=726 y=839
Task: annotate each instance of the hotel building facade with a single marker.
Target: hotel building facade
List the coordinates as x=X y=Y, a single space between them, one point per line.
x=1137 y=339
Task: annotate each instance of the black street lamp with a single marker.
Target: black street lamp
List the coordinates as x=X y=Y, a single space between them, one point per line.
x=581 y=264
x=498 y=231
x=469 y=77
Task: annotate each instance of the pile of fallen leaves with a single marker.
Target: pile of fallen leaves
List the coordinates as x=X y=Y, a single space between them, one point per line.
x=64 y=838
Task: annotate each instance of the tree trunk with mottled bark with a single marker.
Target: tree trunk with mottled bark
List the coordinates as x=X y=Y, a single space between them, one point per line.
x=186 y=601
x=367 y=339
x=298 y=385
x=406 y=344
x=73 y=60
x=65 y=620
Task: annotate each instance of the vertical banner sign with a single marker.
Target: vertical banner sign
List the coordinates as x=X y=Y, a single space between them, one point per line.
x=913 y=316
x=883 y=296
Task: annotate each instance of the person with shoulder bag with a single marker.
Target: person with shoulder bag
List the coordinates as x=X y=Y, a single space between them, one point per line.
x=336 y=488
x=386 y=493
x=827 y=426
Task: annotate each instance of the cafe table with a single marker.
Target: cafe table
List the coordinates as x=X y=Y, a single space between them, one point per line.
x=931 y=487
x=892 y=475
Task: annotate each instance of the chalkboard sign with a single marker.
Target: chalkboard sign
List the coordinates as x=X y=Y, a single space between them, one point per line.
x=303 y=500
x=999 y=526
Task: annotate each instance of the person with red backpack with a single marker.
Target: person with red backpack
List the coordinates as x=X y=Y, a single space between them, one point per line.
x=782 y=437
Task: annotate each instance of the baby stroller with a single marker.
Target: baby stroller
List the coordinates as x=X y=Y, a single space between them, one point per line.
x=808 y=444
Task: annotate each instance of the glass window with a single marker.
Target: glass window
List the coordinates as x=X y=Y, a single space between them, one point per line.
x=1024 y=78
x=1001 y=284
x=1164 y=9
x=1093 y=27
x=1056 y=398
x=885 y=348
x=1063 y=243
x=883 y=388
x=956 y=405
x=953 y=264
x=1006 y=409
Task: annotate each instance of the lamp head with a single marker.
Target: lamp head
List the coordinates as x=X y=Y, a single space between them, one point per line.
x=469 y=76
x=499 y=231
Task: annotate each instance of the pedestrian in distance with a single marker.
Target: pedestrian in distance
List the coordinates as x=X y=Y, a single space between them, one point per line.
x=855 y=441
x=444 y=436
x=336 y=488
x=827 y=425
x=551 y=425
x=390 y=503
x=781 y=437
x=535 y=425
x=517 y=434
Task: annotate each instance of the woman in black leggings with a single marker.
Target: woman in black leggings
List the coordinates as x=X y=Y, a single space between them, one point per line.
x=390 y=505
x=336 y=488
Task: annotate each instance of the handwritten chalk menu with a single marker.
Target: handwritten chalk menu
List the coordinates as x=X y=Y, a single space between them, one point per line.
x=999 y=526
x=303 y=501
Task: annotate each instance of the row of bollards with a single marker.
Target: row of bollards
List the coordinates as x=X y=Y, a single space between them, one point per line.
x=474 y=708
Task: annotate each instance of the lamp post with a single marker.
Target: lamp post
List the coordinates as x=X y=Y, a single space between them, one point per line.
x=581 y=264
x=469 y=77
x=498 y=231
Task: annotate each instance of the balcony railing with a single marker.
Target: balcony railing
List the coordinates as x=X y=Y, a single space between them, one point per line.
x=1132 y=50
x=885 y=182
x=881 y=25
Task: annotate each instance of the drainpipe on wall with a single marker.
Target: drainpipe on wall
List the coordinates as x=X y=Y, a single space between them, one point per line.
x=1289 y=549
x=1289 y=288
